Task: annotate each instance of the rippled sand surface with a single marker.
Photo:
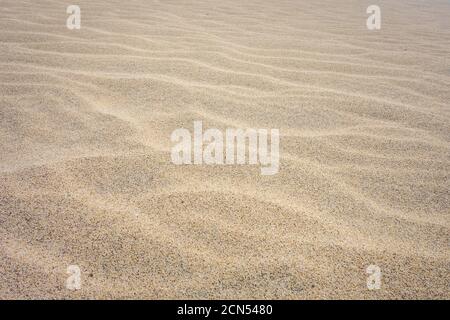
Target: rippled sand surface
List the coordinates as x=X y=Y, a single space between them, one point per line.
x=86 y=177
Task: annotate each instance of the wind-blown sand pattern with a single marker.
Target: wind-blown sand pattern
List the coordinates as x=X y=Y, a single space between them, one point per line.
x=86 y=177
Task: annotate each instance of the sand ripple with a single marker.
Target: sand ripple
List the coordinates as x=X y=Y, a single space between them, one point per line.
x=85 y=168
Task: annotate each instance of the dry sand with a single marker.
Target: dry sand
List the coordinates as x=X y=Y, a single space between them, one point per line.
x=86 y=177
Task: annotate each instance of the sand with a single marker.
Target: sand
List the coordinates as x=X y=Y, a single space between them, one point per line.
x=86 y=177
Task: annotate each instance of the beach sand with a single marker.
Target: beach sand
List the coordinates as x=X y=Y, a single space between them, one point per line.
x=86 y=177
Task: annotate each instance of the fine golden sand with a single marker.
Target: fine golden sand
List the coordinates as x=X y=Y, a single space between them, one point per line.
x=85 y=171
